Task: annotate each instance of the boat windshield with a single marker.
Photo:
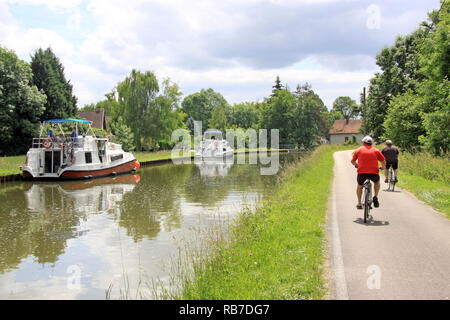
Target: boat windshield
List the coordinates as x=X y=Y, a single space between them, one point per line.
x=213 y=135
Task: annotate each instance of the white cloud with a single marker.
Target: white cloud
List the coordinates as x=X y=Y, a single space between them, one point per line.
x=227 y=45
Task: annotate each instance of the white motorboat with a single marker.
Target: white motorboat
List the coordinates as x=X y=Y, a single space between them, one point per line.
x=214 y=146
x=75 y=156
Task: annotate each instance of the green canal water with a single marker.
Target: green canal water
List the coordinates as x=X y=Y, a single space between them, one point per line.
x=82 y=239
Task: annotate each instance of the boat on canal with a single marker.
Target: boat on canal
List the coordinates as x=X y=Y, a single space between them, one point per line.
x=214 y=146
x=64 y=156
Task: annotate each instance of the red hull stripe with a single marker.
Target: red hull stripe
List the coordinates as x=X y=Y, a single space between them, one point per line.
x=129 y=166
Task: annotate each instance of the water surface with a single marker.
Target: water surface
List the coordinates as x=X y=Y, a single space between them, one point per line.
x=77 y=240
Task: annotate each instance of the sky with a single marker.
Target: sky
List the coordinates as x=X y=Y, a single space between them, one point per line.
x=236 y=47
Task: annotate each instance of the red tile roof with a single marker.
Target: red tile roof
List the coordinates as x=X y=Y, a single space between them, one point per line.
x=345 y=126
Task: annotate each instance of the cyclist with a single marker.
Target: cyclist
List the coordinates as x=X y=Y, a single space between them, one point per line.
x=391 y=154
x=367 y=165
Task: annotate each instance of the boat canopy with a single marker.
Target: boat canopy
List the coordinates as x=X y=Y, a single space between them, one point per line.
x=66 y=121
x=213 y=131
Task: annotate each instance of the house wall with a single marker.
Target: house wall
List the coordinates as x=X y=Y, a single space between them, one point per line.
x=336 y=138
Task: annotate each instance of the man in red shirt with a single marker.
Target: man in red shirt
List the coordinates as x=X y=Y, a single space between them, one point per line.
x=368 y=157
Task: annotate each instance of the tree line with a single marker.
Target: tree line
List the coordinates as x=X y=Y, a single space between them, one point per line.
x=152 y=110
x=144 y=111
x=409 y=100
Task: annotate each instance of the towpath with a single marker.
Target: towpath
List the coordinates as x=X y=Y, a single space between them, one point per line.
x=404 y=253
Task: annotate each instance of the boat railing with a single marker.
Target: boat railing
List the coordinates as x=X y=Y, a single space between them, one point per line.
x=38 y=142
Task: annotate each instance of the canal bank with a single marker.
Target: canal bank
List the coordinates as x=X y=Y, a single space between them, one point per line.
x=276 y=251
x=10 y=167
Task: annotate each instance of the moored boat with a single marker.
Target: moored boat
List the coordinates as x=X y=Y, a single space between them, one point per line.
x=63 y=156
x=214 y=146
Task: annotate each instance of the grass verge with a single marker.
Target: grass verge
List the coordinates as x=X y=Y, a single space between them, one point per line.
x=10 y=165
x=428 y=178
x=275 y=251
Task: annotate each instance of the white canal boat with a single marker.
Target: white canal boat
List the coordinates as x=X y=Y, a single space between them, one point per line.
x=214 y=146
x=61 y=156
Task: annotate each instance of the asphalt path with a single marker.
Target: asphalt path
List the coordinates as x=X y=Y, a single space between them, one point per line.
x=403 y=253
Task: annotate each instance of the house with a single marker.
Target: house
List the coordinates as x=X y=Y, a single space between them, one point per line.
x=344 y=130
x=98 y=118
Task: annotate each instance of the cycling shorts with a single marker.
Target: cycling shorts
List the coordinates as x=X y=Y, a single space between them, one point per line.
x=363 y=176
x=393 y=164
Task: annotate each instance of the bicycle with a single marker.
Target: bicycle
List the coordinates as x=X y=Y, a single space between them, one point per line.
x=391 y=180
x=367 y=196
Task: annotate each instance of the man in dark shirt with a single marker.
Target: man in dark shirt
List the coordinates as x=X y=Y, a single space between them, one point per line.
x=391 y=154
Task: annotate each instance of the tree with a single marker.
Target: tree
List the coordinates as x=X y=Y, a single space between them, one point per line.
x=278 y=86
x=301 y=117
x=276 y=114
x=21 y=104
x=310 y=119
x=200 y=105
x=151 y=113
x=347 y=107
x=218 y=118
x=137 y=94
x=399 y=66
x=123 y=135
x=420 y=116
x=245 y=115
x=48 y=76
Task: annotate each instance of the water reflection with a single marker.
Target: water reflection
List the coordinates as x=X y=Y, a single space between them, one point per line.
x=38 y=219
x=113 y=229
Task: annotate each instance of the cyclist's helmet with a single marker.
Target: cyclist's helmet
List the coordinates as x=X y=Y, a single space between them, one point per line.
x=367 y=140
x=389 y=142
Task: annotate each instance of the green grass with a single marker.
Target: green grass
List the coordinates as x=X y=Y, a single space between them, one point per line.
x=275 y=251
x=153 y=156
x=434 y=193
x=10 y=165
x=427 y=177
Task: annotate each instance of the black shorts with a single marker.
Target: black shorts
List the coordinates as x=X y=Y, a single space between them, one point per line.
x=363 y=176
x=393 y=164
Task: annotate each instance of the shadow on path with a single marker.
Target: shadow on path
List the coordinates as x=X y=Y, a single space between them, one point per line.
x=371 y=222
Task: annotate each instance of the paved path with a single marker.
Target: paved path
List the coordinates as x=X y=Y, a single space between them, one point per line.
x=403 y=254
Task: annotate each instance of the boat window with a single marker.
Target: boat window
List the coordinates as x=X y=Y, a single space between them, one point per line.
x=116 y=157
x=88 y=157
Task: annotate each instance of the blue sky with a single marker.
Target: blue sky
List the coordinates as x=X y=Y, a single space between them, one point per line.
x=235 y=47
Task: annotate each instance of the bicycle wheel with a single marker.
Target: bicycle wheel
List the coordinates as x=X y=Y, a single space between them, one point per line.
x=391 y=180
x=366 y=202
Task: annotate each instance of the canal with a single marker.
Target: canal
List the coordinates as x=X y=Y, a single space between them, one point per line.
x=112 y=237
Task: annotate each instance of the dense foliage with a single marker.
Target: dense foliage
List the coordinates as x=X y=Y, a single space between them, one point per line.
x=409 y=100
x=151 y=113
x=48 y=76
x=21 y=104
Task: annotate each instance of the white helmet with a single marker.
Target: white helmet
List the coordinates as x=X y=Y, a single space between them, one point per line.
x=367 y=139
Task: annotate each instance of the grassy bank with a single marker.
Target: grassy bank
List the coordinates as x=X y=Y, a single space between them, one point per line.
x=10 y=165
x=428 y=178
x=275 y=251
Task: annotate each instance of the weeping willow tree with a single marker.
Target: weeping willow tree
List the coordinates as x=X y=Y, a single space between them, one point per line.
x=151 y=113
